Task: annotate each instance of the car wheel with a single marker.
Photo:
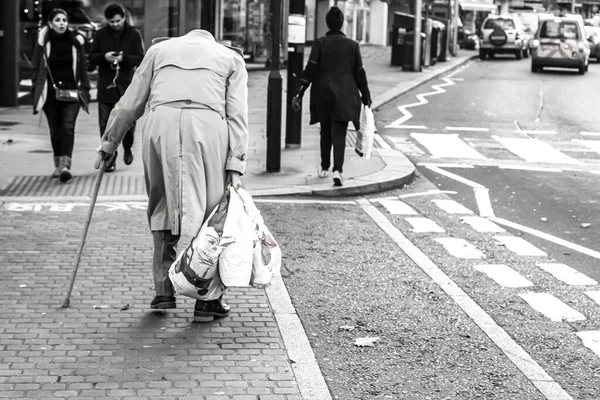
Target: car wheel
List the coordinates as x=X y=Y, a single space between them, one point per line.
x=519 y=54
x=482 y=54
x=491 y=55
x=534 y=68
x=586 y=67
x=581 y=70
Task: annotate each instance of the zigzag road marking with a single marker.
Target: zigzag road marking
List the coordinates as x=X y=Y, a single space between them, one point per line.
x=406 y=115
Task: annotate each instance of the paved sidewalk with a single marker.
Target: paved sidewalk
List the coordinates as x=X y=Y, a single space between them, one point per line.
x=25 y=148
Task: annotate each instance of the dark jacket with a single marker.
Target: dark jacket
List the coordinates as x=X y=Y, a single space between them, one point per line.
x=40 y=74
x=336 y=72
x=129 y=41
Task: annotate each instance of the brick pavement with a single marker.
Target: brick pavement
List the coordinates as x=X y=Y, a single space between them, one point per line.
x=109 y=344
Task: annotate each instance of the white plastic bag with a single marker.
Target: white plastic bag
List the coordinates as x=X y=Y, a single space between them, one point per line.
x=266 y=257
x=235 y=261
x=366 y=133
x=195 y=272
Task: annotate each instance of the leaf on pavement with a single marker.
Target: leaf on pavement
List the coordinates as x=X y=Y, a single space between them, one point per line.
x=585 y=225
x=347 y=327
x=366 y=341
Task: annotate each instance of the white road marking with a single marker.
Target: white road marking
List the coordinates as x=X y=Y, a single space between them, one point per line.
x=551 y=307
x=455 y=177
x=534 y=132
x=466 y=129
x=482 y=225
x=591 y=340
x=566 y=274
x=446 y=165
x=302 y=201
x=593 y=145
x=589 y=133
x=527 y=168
x=451 y=206
x=482 y=198
x=504 y=276
x=406 y=115
x=534 y=150
x=397 y=207
x=595 y=295
x=381 y=142
x=444 y=145
x=460 y=248
x=419 y=127
x=424 y=225
x=520 y=246
x=427 y=193
x=515 y=353
x=548 y=237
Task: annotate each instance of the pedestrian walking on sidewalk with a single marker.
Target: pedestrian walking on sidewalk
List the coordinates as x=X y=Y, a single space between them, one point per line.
x=336 y=72
x=195 y=141
x=117 y=50
x=60 y=86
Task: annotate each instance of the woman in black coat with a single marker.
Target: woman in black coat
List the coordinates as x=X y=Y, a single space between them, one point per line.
x=336 y=72
x=59 y=62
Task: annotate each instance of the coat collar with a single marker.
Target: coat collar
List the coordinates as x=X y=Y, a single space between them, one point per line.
x=201 y=33
x=44 y=34
x=335 y=33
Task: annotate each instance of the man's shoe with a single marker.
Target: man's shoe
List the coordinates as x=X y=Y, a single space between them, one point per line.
x=128 y=157
x=337 y=179
x=163 y=302
x=206 y=311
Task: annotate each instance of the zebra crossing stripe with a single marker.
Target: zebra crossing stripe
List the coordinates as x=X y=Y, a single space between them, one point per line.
x=534 y=150
x=551 y=307
x=504 y=276
x=520 y=246
x=460 y=248
x=451 y=206
x=591 y=340
x=424 y=225
x=593 y=145
x=443 y=145
x=397 y=207
x=482 y=225
x=566 y=274
x=594 y=296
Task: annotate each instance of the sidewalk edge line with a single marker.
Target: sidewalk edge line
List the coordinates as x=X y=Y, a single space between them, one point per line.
x=538 y=377
x=309 y=377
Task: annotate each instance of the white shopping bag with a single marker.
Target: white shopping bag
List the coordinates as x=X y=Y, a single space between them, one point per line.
x=195 y=272
x=366 y=133
x=235 y=261
x=266 y=258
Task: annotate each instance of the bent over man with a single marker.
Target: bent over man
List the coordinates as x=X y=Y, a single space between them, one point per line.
x=195 y=139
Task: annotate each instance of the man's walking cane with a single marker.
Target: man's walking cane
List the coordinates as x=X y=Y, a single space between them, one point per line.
x=67 y=302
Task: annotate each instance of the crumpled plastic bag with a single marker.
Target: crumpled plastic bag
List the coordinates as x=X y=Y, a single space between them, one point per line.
x=195 y=272
x=365 y=135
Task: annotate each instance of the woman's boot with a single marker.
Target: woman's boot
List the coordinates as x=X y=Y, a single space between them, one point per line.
x=65 y=168
x=56 y=172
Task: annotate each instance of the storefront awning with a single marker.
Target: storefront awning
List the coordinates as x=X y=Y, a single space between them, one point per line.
x=477 y=6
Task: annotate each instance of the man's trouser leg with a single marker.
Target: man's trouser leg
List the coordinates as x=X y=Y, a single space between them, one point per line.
x=165 y=252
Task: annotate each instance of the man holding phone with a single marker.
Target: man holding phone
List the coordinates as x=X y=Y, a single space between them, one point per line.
x=117 y=50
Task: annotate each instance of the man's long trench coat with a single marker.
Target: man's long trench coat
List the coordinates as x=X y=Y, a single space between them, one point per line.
x=195 y=93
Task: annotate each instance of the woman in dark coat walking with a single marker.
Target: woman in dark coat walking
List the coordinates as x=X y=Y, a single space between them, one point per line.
x=59 y=62
x=337 y=74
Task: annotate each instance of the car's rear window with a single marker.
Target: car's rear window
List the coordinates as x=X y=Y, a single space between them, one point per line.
x=499 y=23
x=559 y=30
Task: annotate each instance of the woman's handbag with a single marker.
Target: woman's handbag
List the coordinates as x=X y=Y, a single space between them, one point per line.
x=64 y=95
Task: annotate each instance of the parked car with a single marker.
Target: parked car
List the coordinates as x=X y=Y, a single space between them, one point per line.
x=560 y=42
x=592 y=34
x=503 y=34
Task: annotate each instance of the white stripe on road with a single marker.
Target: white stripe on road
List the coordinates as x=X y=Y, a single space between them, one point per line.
x=566 y=274
x=520 y=246
x=407 y=126
x=443 y=145
x=593 y=145
x=594 y=296
x=534 y=150
x=457 y=178
x=589 y=133
x=515 y=353
x=591 y=340
x=548 y=237
x=533 y=132
x=427 y=193
x=446 y=165
x=482 y=225
x=397 y=207
x=424 y=225
x=460 y=248
x=381 y=142
x=504 y=276
x=451 y=206
x=526 y=168
x=482 y=198
x=466 y=129
x=551 y=307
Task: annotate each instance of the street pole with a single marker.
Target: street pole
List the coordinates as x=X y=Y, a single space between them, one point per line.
x=9 y=48
x=296 y=40
x=417 y=39
x=274 y=95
